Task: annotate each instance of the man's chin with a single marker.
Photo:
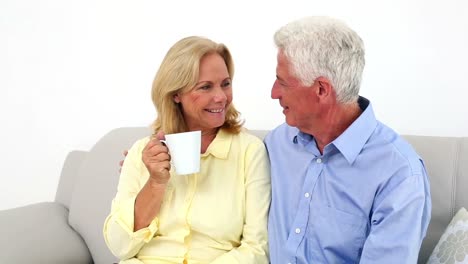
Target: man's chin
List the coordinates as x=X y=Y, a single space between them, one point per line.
x=290 y=122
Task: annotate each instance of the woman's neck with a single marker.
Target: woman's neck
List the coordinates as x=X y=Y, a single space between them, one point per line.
x=209 y=132
x=207 y=137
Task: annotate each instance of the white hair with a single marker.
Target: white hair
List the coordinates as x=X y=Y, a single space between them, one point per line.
x=323 y=46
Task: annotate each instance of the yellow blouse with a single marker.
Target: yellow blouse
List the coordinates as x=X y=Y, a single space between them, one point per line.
x=218 y=215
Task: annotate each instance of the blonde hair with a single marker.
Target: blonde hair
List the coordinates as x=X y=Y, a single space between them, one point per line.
x=178 y=73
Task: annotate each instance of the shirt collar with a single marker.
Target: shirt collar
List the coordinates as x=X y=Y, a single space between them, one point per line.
x=352 y=140
x=220 y=145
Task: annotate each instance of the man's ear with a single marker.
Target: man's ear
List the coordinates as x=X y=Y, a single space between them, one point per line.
x=324 y=88
x=176 y=98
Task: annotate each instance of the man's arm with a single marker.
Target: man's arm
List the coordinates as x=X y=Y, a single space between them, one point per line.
x=401 y=214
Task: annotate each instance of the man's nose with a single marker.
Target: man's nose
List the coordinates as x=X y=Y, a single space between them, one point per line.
x=275 y=91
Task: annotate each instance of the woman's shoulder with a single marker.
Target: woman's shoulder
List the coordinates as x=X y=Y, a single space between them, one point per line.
x=140 y=144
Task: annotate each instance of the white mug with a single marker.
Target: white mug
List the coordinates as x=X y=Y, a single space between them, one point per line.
x=184 y=149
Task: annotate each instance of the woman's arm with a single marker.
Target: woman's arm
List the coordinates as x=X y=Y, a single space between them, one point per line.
x=132 y=221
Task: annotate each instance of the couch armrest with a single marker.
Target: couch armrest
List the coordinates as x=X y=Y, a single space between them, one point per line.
x=39 y=233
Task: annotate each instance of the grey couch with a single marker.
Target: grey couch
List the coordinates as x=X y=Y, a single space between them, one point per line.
x=69 y=230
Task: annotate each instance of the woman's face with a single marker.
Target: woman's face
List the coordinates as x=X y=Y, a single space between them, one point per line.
x=204 y=106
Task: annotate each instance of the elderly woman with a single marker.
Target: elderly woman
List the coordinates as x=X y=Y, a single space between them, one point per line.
x=218 y=215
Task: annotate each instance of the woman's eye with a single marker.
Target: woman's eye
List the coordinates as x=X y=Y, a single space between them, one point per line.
x=204 y=87
x=226 y=84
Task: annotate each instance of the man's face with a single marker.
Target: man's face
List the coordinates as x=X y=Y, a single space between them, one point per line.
x=299 y=102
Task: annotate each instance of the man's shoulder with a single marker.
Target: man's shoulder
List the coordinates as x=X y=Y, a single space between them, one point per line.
x=281 y=132
x=386 y=138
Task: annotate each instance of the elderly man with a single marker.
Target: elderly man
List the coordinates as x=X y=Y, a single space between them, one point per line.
x=346 y=188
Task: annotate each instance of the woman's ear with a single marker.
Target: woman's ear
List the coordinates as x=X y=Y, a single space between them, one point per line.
x=176 y=98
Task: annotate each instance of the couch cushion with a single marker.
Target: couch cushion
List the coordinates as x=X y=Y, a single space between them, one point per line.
x=453 y=244
x=96 y=186
x=40 y=233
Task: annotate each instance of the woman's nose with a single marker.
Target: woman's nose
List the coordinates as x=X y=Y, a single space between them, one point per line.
x=220 y=95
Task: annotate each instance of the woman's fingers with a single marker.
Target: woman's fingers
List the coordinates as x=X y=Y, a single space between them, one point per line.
x=157 y=159
x=156 y=150
x=152 y=143
x=160 y=157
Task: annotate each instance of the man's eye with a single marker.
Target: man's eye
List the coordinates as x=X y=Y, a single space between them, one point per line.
x=281 y=83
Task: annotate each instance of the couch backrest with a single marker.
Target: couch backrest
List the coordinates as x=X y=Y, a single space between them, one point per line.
x=68 y=176
x=96 y=186
x=446 y=159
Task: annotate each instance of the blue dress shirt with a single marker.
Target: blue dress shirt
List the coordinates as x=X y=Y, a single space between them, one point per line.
x=366 y=199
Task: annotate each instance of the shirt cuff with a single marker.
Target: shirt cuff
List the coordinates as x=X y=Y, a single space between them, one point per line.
x=126 y=217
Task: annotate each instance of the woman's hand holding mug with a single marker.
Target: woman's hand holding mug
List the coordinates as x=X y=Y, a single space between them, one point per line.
x=157 y=159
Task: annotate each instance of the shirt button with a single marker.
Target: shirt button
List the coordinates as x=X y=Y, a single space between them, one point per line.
x=306 y=195
x=319 y=160
x=298 y=230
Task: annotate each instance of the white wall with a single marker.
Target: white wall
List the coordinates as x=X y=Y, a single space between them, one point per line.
x=72 y=70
